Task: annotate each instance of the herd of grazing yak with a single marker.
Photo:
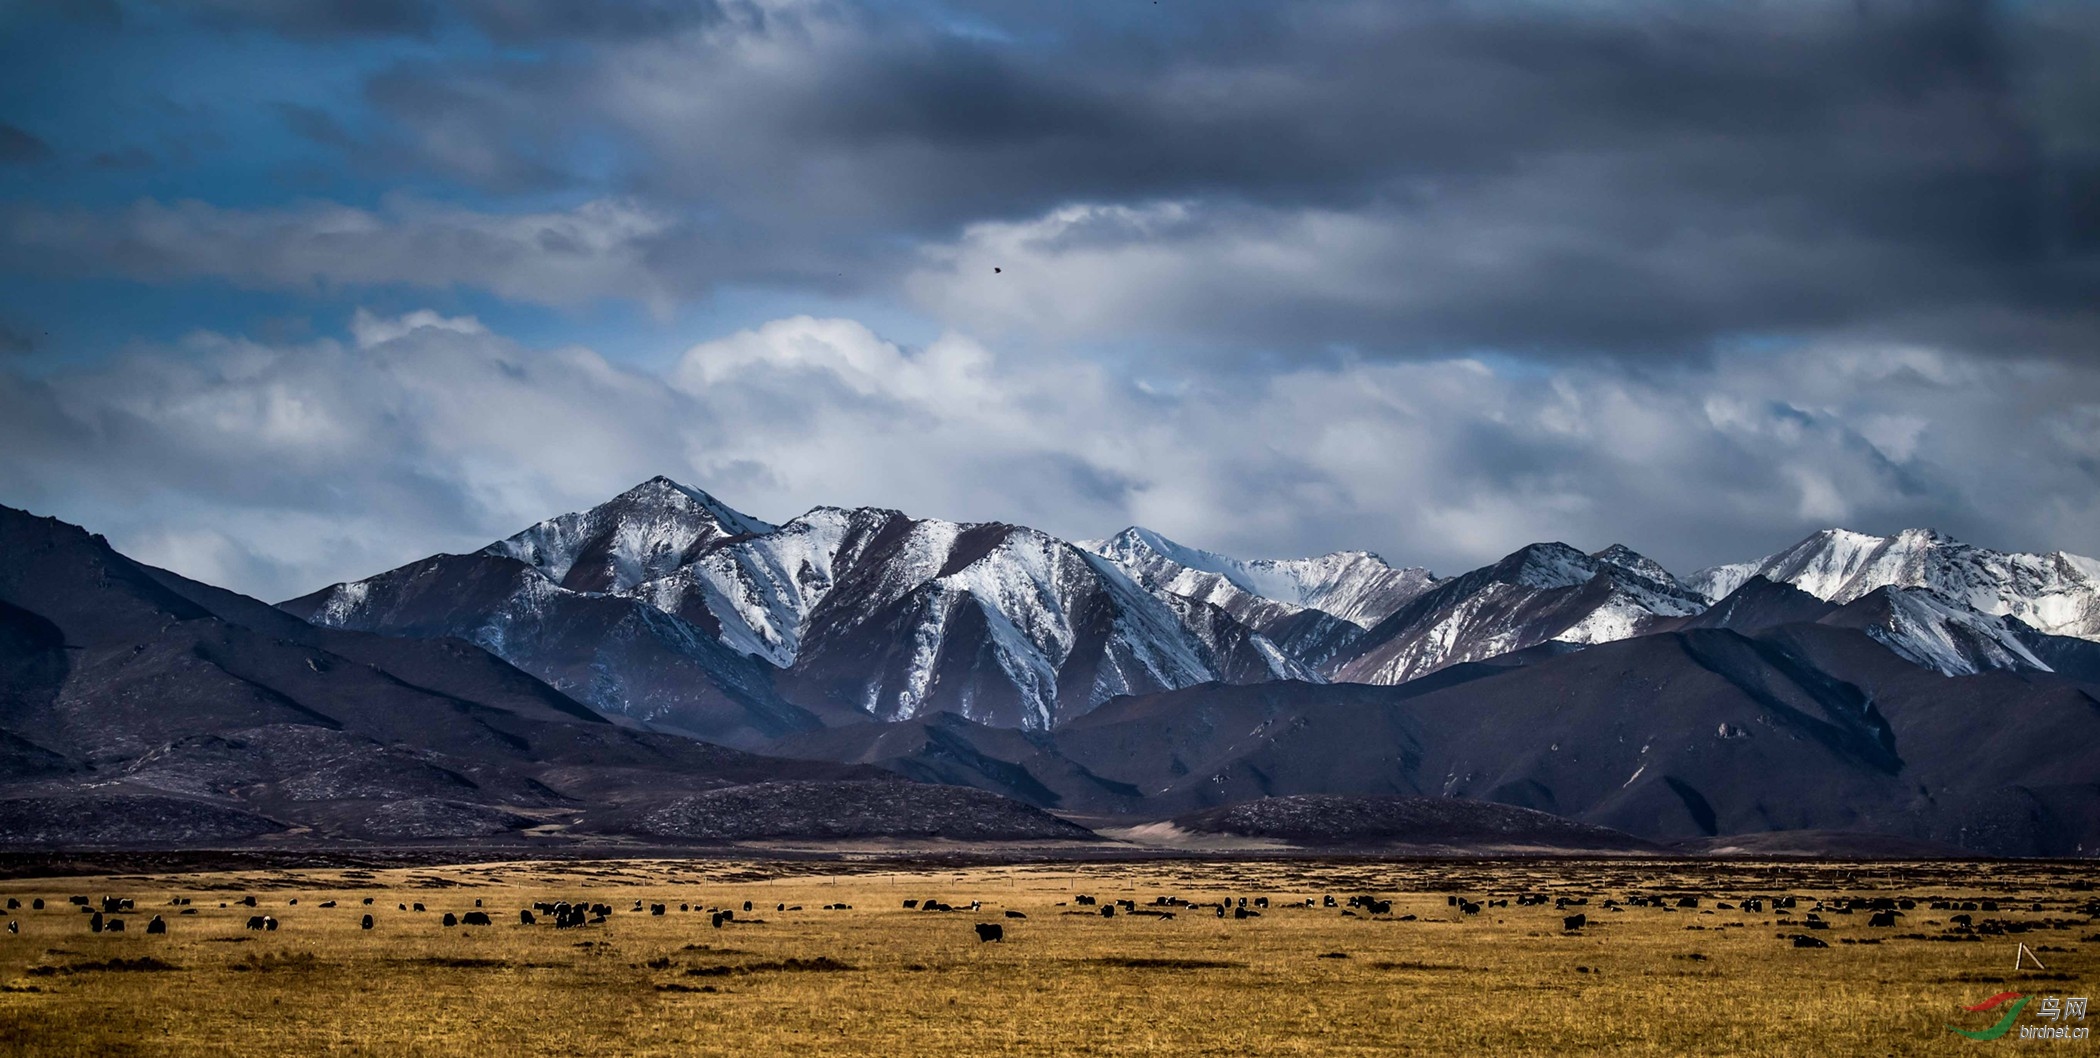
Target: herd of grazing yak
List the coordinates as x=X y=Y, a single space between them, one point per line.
x=104 y=914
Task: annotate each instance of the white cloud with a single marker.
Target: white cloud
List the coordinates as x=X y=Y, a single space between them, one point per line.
x=369 y=330
x=280 y=468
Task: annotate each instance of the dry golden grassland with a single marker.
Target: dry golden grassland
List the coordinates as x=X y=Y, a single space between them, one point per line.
x=879 y=979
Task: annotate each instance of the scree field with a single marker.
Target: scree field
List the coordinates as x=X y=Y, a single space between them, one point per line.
x=828 y=960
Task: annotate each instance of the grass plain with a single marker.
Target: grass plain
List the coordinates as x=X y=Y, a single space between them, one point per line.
x=877 y=979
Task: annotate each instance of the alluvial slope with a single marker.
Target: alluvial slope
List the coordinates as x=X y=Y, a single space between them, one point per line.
x=2057 y=593
x=1358 y=822
x=837 y=811
x=1542 y=593
x=945 y=748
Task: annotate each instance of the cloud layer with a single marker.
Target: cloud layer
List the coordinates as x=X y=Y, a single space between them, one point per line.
x=277 y=469
x=1622 y=178
x=1436 y=279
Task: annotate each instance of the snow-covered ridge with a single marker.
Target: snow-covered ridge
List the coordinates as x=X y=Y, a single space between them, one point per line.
x=1541 y=593
x=1355 y=586
x=1926 y=630
x=891 y=590
x=644 y=533
x=874 y=611
x=2056 y=593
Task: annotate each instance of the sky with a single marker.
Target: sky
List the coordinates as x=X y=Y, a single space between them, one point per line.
x=294 y=291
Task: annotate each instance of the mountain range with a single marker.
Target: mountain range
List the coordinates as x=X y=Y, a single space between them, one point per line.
x=667 y=605
x=141 y=708
x=1908 y=687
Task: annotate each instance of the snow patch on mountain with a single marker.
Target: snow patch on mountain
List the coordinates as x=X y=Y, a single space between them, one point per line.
x=1926 y=630
x=1540 y=593
x=2057 y=593
x=1356 y=586
x=648 y=531
x=763 y=589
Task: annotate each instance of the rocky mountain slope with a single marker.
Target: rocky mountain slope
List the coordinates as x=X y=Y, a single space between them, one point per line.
x=1670 y=737
x=1542 y=593
x=1310 y=607
x=141 y=708
x=1843 y=687
x=665 y=605
x=2057 y=593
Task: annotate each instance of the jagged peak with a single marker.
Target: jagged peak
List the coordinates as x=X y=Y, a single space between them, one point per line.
x=661 y=490
x=1621 y=557
x=1547 y=564
x=1135 y=536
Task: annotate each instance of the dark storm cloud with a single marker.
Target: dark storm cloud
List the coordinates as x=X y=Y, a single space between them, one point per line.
x=123 y=158
x=313 y=18
x=535 y=22
x=1438 y=279
x=14 y=340
x=540 y=21
x=1598 y=178
x=17 y=146
x=315 y=125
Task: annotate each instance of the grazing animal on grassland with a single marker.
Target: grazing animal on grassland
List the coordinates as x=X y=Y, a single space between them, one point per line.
x=990 y=931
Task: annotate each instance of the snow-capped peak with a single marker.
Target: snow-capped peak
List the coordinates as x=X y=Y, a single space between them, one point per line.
x=646 y=532
x=2056 y=593
x=901 y=615
x=669 y=493
x=1356 y=586
x=1626 y=558
x=1927 y=630
x=1551 y=565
